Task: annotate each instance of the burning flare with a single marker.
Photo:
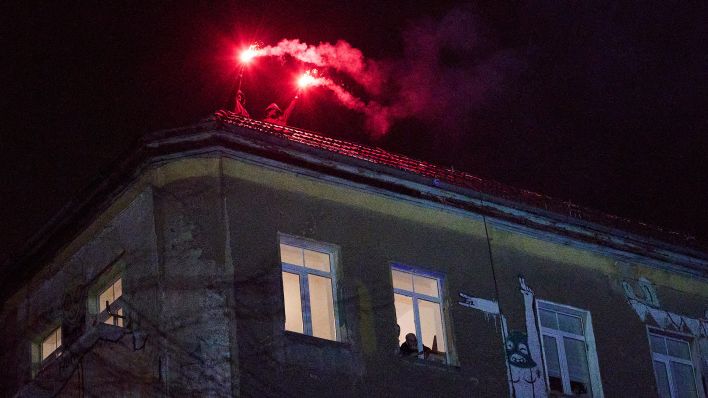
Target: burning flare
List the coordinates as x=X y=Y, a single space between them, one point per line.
x=420 y=85
x=307 y=79
x=248 y=54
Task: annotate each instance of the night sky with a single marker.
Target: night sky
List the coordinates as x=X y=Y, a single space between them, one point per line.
x=600 y=103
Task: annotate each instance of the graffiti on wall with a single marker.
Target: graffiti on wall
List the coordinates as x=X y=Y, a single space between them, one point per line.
x=526 y=377
x=647 y=308
x=523 y=350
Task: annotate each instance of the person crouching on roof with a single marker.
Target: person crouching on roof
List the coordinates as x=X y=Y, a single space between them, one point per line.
x=276 y=115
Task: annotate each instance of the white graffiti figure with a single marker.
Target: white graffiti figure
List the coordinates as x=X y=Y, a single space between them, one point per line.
x=523 y=350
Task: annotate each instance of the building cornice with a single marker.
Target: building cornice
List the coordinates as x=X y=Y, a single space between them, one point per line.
x=324 y=157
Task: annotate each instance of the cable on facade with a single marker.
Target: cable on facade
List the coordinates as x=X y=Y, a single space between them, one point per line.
x=496 y=287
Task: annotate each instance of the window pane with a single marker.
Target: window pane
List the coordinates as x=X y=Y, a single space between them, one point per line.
x=113 y=320
x=402 y=280
x=657 y=344
x=427 y=286
x=50 y=344
x=570 y=324
x=551 y=353
x=576 y=357
x=404 y=315
x=107 y=295
x=678 y=349
x=321 y=307
x=684 y=384
x=118 y=321
x=292 y=302
x=291 y=255
x=431 y=325
x=117 y=289
x=548 y=319
x=317 y=260
x=662 y=379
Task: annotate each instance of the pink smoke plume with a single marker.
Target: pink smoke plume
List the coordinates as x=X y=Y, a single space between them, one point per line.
x=344 y=58
x=340 y=56
x=437 y=80
x=378 y=118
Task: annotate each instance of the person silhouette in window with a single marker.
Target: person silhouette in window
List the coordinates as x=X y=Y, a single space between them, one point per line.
x=410 y=347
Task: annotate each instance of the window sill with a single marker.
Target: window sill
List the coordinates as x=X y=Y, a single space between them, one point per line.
x=319 y=355
x=420 y=362
x=300 y=338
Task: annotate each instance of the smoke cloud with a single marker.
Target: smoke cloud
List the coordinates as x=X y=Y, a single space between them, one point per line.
x=447 y=71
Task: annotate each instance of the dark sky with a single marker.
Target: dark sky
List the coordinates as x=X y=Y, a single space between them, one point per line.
x=600 y=103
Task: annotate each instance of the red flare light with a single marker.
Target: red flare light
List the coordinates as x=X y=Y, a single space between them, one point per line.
x=306 y=80
x=248 y=54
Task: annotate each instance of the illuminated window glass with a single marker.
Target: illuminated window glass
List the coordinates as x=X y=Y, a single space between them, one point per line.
x=50 y=343
x=308 y=288
x=418 y=303
x=109 y=309
x=569 y=354
x=673 y=367
x=44 y=349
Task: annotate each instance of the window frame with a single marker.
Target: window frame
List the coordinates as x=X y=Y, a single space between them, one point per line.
x=302 y=272
x=439 y=278
x=55 y=351
x=666 y=359
x=588 y=339
x=105 y=282
x=37 y=345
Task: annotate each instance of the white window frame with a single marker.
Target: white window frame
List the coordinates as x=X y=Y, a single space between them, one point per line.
x=666 y=359
x=115 y=306
x=55 y=352
x=38 y=362
x=588 y=338
x=302 y=272
x=416 y=296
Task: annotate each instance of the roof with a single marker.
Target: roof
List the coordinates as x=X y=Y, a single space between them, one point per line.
x=458 y=178
x=360 y=164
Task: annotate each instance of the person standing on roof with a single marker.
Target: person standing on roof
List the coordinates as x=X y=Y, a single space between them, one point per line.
x=236 y=103
x=275 y=115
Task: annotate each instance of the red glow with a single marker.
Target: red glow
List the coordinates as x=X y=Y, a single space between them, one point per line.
x=248 y=54
x=306 y=80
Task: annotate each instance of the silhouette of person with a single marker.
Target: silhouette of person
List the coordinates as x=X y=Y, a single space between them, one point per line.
x=276 y=115
x=236 y=104
x=410 y=346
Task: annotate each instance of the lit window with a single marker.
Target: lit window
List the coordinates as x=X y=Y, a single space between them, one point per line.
x=417 y=298
x=45 y=349
x=569 y=350
x=50 y=343
x=308 y=288
x=109 y=310
x=673 y=368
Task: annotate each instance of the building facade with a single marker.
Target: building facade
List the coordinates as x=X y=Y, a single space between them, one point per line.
x=239 y=258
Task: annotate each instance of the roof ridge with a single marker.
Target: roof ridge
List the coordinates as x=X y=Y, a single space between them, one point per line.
x=458 y=178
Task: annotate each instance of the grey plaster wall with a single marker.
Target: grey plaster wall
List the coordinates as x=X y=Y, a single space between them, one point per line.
x=365 y=361
x=202 y=288
x=59 y=295
x=195 y=288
